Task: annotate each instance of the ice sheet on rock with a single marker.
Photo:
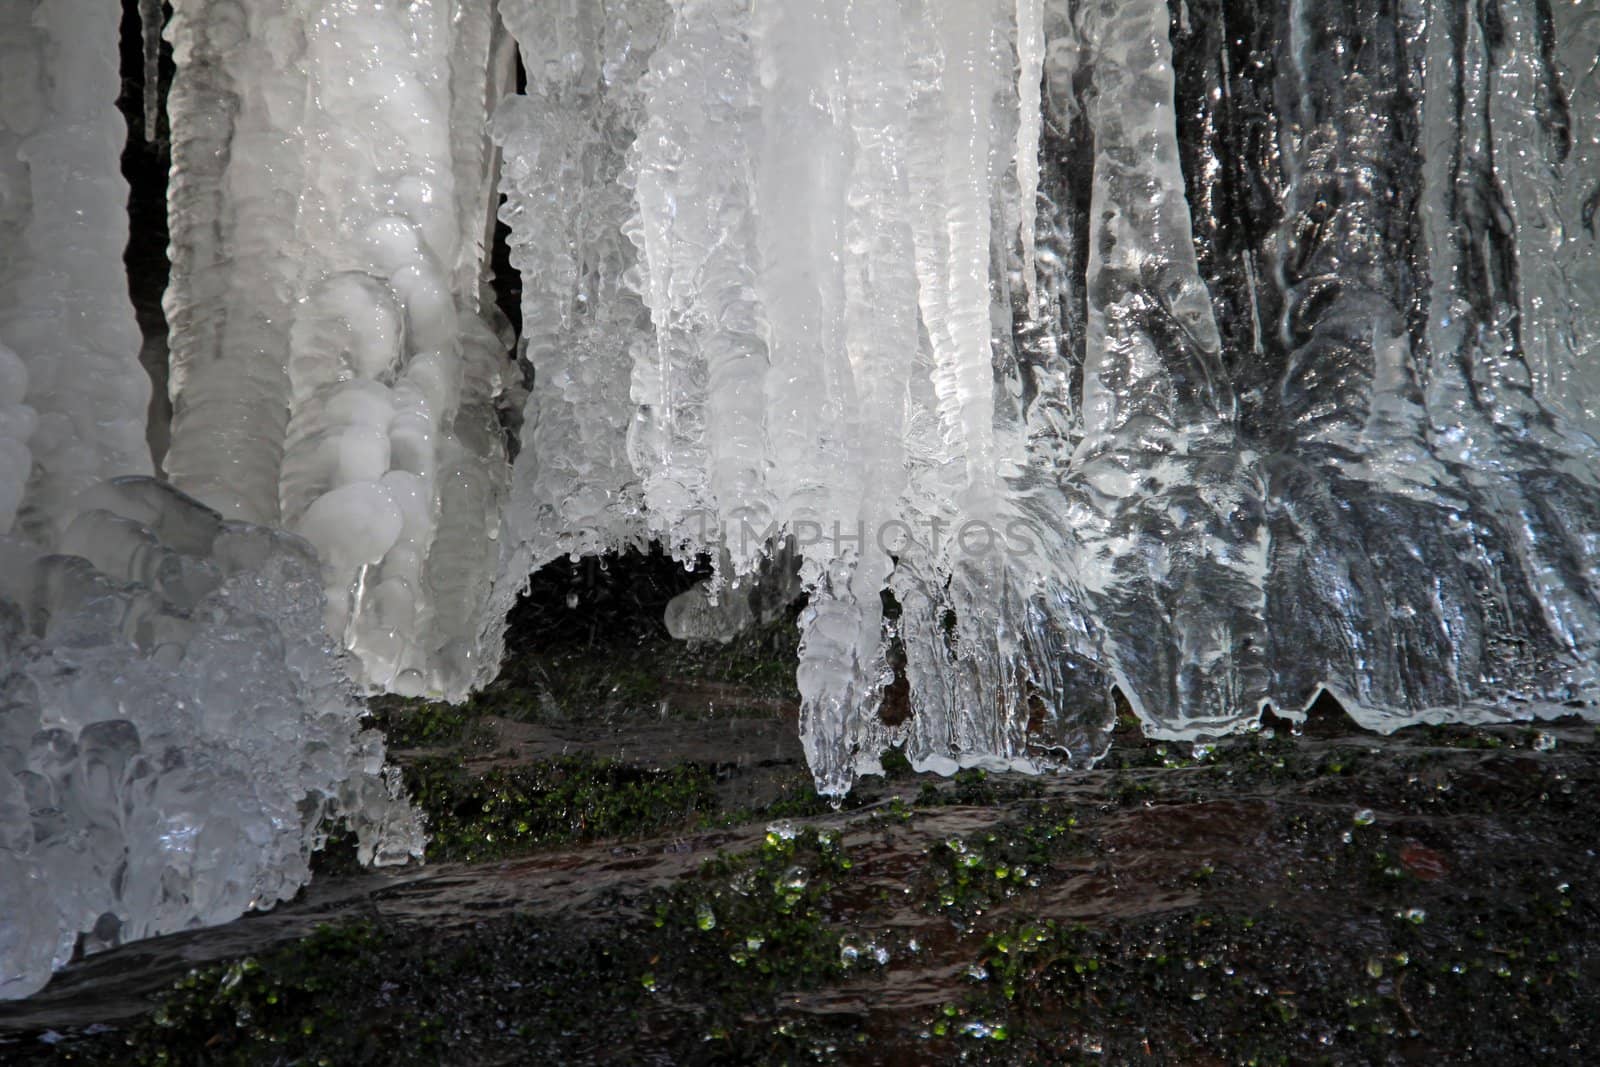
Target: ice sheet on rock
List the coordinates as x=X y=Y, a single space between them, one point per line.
x=180 y=733
x=1265 y=364
x=1417 y=442
x=1541 y=115
x=65 y=315
x=1161 y=494
x=329 y=368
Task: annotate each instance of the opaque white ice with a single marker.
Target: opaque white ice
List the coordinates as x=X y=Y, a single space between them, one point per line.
x=330 y=369
x=64 y=308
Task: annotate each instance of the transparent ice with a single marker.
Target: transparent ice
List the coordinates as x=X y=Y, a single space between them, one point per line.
x=1220 y=352
x=1267 y=368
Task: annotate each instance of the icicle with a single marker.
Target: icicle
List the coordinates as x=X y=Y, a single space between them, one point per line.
x=705 y=362
x=73 y=382
x=1030 y=72
x=328 y=368
x=150 y=20
x=964 y=364
x=230 y=299
x=573 y=488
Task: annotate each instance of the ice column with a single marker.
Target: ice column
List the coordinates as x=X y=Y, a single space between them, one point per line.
x=697 y=244
x=330 y=370
x=72 y=394
x=236 y=109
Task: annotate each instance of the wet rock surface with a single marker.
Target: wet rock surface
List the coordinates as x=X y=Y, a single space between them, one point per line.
x=629 y=865
x=1344 y=898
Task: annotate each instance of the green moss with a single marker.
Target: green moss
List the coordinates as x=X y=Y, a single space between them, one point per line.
x=292 y=1000
x=513 y=809
x=969 y=875
x=414 y=724
x=753 y=924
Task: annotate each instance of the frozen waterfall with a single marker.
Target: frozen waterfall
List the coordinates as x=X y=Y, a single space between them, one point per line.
x=1223 y=381
x=1060 y=345
x=177 y=732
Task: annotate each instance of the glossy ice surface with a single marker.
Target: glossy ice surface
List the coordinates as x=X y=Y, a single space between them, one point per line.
x=1219 y=351
x=1224 y=377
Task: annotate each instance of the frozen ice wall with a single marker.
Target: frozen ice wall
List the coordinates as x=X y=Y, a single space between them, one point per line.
x=176 y=730
x=1221 y=351
x=72 y=393
x=178 y=733
x=330 y=369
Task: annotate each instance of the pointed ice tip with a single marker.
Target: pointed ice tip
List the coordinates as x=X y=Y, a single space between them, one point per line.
x=151 y=18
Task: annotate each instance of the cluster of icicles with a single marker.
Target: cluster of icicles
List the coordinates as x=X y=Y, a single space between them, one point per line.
x=1221 y=374
x=1109 y=381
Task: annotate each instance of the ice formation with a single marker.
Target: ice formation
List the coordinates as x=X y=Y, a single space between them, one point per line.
x=176 y=730
x=178 y=733
x=1223 y=379
x=565 y=140
x=72 y=393
x=331 y=371
x=1219 y=351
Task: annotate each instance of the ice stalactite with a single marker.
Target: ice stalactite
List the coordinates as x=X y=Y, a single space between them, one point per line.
x=1030 y=72
x=573 y=489
x=235 y=108
x=330 y=370
x=151 y=18
x=74 y=393
x=696 y=241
